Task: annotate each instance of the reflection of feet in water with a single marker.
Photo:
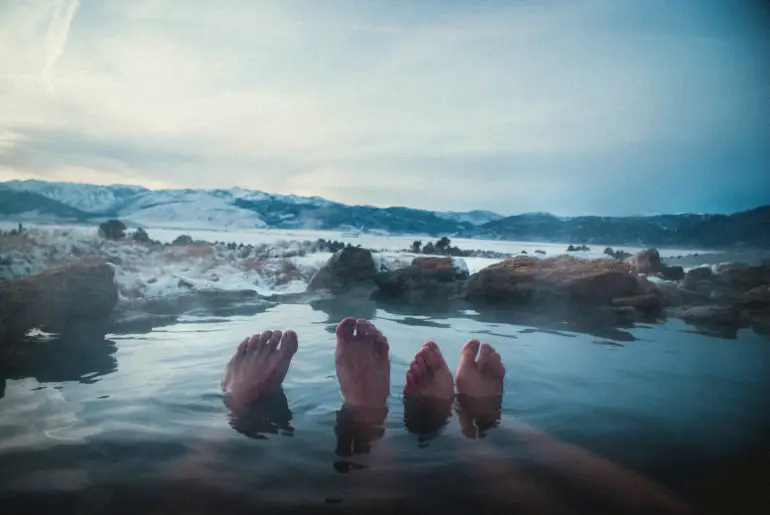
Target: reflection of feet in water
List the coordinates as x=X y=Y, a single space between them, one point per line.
x=258 y=367
x=363 y=365
x=479 y=388
x=270 y=414
x=428 y=391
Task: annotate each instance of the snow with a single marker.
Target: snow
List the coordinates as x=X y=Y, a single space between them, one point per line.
x=86 y=197
x=192 y=210
x=154 y=271
x=268 y=262
x=460 y=265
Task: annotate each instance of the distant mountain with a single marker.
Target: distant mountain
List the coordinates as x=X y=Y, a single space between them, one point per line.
x=24 y=205
x=86 y=197
x=243 y=208
x=747 y=228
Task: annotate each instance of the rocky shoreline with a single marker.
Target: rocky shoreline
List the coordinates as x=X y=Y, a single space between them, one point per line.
x=732 y=295
x=610 y=291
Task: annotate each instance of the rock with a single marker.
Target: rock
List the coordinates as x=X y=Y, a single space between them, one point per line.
x=711 y=315
x=672 y=273
x=646 y=302
x=620 y=255
x=435 y=263
x=742 y=278
x=760 y=322
x=523 y=279
x=729 y=282
x=756 y=298
x=183 y=239
x=56 y=300
x=646 y=262
x=695 y=278
x=346 y=267
x=420 y=284
x=538 y=251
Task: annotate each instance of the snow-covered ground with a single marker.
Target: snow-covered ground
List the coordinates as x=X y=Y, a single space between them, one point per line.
x=271 y=261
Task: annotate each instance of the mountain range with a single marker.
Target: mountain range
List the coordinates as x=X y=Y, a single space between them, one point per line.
x=240 y=208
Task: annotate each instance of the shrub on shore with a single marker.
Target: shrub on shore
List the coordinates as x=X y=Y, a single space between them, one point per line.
x=112 y=230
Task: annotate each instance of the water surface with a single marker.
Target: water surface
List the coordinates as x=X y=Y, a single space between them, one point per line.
x=91 y=413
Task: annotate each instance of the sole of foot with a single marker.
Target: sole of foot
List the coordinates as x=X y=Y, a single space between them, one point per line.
x=258 y=367
x=428 y=391
x=362 y=363
x=479 y=381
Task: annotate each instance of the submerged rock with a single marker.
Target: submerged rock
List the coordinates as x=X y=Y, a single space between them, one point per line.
x=346 y=267
x=524 y=279
x=710 y=315
x=646 y=302
x=57 y=300
x=417 y=283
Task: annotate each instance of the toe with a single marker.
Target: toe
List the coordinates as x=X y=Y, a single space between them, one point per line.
x=433 y=355
x=345 y=329
x=263 y=339
x=411 y=382
x=366 y=329
x=469 y=351
x=416 y=370
x=486 y=355
x=242 y=347
x=275 y=339
x=289 y=343
x=382 y=344
x=422 y=359
x=253 y=343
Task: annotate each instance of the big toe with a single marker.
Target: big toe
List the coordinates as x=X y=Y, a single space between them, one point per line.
x=469 y=352
x=346 y=328
x=289 y=344
x=433 y=356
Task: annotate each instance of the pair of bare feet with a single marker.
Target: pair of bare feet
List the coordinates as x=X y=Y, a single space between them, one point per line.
x=362 y=362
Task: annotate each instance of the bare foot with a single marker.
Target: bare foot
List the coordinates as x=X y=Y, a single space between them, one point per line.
x=258 y=367
x=479 y=389
x=428 y=376
x=363 y=365
x=482 y=377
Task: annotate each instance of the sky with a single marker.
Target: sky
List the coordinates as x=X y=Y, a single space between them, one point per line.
x=611 y=107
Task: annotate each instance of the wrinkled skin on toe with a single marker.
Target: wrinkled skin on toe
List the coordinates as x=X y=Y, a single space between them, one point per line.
x=363 y=364
x=258 y=367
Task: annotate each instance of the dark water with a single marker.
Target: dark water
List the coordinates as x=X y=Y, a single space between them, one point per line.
x=106 y=421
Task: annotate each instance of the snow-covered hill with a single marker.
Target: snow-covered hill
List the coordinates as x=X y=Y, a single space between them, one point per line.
x=86 y=197
x=188 y=208
x=243 y=208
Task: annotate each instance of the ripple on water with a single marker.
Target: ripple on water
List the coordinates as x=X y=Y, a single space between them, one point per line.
x=148 y=406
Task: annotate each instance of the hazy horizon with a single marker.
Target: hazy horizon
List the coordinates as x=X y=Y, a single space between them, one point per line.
x=609 y=108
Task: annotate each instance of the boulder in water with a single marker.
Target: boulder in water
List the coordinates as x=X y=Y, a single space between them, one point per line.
x=457 y=265
x=57 y=299
x=347 y=267
x=524 y=279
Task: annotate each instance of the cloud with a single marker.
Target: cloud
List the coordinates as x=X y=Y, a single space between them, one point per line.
x=58 y=29
x=454 y=107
